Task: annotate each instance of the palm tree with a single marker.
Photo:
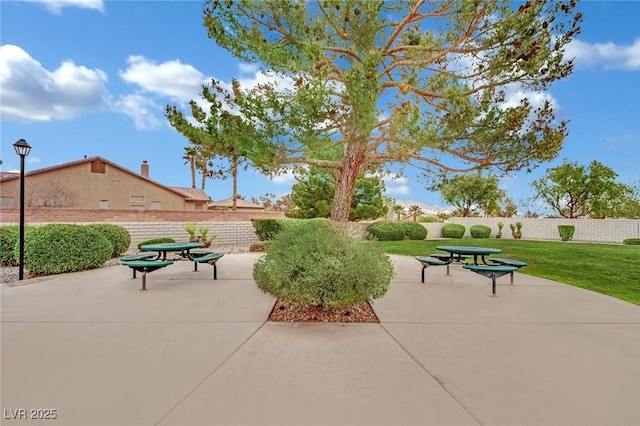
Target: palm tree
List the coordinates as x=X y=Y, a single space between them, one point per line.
x=190 y=154
x=398 y=210
x=415 y=211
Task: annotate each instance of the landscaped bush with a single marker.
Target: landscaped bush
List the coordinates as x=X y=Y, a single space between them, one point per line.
x=318 y=265
x=414 y=231
x=566 y=232
x=118 y=235
x=266 y=229
x=632 y=241
x=453 y=230
x=57 y=248
x=156 y=241
x=480 y=231
x=8 y=239
x=386 y=231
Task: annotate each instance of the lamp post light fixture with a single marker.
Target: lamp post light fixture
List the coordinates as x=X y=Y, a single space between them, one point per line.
x=22 y=149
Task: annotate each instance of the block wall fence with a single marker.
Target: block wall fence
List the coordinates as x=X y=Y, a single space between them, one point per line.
x=587 y=230
x=235 y=229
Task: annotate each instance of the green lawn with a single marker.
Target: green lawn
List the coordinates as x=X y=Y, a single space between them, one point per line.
x=606 y=268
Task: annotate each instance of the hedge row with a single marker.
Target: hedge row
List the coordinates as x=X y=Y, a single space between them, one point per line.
x=57 y=248
x=396 y=231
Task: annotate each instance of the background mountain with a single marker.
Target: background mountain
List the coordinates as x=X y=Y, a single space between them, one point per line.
x=428 y=208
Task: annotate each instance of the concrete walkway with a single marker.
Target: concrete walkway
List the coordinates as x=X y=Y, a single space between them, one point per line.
x=193 y=351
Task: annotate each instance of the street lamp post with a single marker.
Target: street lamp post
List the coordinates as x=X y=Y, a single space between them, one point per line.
x=22 y=149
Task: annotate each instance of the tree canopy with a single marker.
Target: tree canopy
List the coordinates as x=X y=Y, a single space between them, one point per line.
x=575 y=191
x=393 y=83
x=314 y=192
x=469 y=193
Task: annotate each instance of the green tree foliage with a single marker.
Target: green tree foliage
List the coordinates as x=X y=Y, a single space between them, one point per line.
x=391 y=83
x=415 y=211
x=502 y=206
x=469 y=193
x=575 y=191
x=314 y=192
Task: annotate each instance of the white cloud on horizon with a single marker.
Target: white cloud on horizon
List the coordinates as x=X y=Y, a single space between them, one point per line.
x=56 y=6
x=30 y=92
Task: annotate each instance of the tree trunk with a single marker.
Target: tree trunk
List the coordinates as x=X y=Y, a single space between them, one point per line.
x=234 y=173
x=193 y=172
x=346 y=182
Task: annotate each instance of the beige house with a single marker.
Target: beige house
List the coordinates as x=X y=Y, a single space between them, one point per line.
x=96 y=183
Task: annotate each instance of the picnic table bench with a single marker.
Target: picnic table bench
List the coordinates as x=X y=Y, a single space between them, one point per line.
x=491 y=271
x=210 y=258
x=146 y=266
x=140 y=256
x=507 y=262
x=427 y=261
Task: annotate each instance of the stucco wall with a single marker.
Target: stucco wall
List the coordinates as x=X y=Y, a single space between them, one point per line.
x=85 y=189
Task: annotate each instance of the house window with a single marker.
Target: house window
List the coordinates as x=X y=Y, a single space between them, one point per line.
x=199 y=206
x=156 y=205
x=97 y=167
x=104 y=204
x=7 y=201
x=136 y=201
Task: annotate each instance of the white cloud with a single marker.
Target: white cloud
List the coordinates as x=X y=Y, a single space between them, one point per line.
x=139 y=108
x=247 y=68
x=56 y=6
x=173 y=79
x=514 y=94
x=32 y=93
x=605 y=55
x=396 y=185
x=287 y=177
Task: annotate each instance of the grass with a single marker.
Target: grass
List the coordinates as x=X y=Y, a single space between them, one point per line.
x=609 y=269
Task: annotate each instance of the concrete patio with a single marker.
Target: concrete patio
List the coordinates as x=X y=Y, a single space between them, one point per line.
x=193 y=351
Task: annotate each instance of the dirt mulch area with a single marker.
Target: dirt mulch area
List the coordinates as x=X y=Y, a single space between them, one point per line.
x=288 y=312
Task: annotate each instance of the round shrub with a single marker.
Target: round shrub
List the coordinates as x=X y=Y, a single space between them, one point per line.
x=453 y=230
x=414 y=231
x=118 y=235
x=8 y=240
x=480 y=231
x=386 y=231
x=57 y=248
x=318 y=265
x=632 y=241
x=156 y=241
x=566 y=232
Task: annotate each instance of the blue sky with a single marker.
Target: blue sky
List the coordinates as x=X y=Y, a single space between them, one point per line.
x=87 y=77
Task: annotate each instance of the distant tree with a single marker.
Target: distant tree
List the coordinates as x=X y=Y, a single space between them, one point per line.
x=313 y=196
x=267 y=200
x=415 y=211
x=575 y=191
x=502 y=206
x=190 y=153
x=48 y=194
x=391 y=82
x=398 y=210
x=470 y=193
